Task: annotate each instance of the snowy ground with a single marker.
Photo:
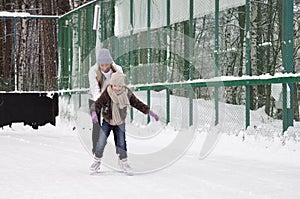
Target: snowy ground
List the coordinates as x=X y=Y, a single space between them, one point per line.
x=52 y=162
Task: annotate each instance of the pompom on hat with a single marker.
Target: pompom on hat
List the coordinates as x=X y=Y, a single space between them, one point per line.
x=117 y=79
x=104 y=57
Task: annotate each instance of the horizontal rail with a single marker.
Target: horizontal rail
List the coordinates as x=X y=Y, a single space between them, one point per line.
x=222 y=81
x=26 y=15
x=5 y=14
x=213 y=82
x=60 y=92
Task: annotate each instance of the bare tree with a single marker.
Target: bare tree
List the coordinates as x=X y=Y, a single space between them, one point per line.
x=31 y=44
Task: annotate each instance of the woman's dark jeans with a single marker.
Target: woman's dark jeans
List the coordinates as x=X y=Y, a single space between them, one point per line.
x=105 y=130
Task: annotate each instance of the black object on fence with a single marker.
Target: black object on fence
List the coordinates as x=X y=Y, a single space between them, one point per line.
x=34 y=109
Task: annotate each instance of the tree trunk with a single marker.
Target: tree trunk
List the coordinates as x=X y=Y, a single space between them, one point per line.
x=296 y=104
x=50 y=48
x=143 y=51
x=63 y=6
x=186 y=46
x=242 y=10
x=260 y=55
x=9 y=45
x=22 y=51
x=253 y=56
x=269 y=100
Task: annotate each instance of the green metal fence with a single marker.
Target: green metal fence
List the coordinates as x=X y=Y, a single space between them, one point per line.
x=76 y=43
x=187 y=55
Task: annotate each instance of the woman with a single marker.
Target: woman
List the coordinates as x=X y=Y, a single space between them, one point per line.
x=99 y=77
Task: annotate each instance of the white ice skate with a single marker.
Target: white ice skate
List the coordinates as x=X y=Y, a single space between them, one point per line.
x=95 y=167
x=125 y=167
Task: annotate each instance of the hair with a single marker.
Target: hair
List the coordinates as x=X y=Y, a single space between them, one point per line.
x=100 y=75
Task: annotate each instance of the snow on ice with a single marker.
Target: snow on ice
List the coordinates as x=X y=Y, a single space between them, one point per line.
x=53 y=161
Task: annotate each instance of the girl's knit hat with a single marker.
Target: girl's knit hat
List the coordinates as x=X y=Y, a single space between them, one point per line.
x=117 y=79
x=104 y=57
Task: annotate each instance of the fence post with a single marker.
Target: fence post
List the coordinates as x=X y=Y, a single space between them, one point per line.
x=168 y=60
x=248 y=60
x=102 y=23
x=148 y=53
x=70 y=53
x=79 y=54
x=191 y=54
x=287 y=55
x=131 y=52
x=216 y=55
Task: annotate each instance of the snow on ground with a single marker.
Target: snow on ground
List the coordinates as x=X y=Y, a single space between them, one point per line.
x=52 y=162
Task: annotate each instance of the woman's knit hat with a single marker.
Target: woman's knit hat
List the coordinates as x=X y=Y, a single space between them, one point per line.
x=117 y=79
x=104 y=57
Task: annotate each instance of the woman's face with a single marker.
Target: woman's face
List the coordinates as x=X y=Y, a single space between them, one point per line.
x=105 y=67
x=117 y=88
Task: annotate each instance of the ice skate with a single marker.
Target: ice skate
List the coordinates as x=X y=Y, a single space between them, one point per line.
x=125 y=167
x=95 y=167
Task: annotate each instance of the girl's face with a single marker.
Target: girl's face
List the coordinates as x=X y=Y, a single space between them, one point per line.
x=117 y=88
x=105 y=67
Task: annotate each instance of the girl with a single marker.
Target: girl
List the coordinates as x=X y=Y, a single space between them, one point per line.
x=113 y=104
